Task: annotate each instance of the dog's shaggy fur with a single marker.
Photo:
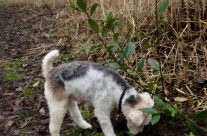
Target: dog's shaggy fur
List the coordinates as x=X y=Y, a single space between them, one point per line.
x=100 y=86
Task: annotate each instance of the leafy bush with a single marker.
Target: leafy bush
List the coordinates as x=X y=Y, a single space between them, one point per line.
x=121 y=56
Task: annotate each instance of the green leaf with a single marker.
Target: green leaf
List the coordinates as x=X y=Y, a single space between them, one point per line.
x=82 y=5
x=155 y=118
x=191 y=134
x=96 y=46
x=121 y=56
x=160 y=21
x=104 y=31
x=114 y=65
x=151 y=86
x=202 y=115
x=36 y=84
x=140 y=65
x=129 y=50
x=111 y=21
x=93 y=25
x=148 y=46
x=113 y=46
x=73 y=6
x=172 y=110
x=129 y=134
x=163 y=6
x=116 y=36
x=93 y=8
x=109 y=17
x=154 y=63
x=149 y=110
x=159 y=102
x=191 y=125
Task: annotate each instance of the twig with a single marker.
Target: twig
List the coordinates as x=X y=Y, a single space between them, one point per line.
x=158 y=44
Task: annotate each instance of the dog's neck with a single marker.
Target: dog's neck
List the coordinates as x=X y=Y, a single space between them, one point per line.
x=122 y=97
x=121 y=100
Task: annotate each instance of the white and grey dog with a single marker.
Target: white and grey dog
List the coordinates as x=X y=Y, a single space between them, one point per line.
x=102 y=87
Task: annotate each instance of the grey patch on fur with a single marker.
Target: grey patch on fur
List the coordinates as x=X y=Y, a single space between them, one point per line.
x=73 y=70
x=55 y=78
x=132 y=100
x=116 y=77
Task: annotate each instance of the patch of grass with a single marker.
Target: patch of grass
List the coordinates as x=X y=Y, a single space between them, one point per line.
x=64 y=57
x=73 y=132
x=3 y=2
x=29 y=118
x=13 y=77
x=87 y=113
x=26 y=93
x=26 y=116
x=13 y=69
x=90 y=133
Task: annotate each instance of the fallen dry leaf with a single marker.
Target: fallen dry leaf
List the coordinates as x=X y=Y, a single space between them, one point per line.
x=180 y=99
x=9 y=123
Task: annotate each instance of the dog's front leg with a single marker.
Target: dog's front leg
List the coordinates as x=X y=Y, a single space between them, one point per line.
x=103 y=117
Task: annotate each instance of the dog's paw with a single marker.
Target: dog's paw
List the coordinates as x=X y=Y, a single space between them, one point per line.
x=85 y=125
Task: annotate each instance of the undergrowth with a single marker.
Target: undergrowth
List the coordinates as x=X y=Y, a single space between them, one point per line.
x=147 y=71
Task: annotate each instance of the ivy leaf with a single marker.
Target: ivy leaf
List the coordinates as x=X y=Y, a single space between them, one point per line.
x=140 y=65
x=82 y=5
x=129 y=50
x=93 y=25
x=155 y=118
x=202 y=115
x=163 y=6
x=93 y=8
x=149 y=110
x=154 y=63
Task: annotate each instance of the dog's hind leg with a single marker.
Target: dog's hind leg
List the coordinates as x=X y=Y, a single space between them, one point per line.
x=57 y=113
x=76 y=115
x=57 y=110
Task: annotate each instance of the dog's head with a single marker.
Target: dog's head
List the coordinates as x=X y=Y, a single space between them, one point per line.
x=136 y=119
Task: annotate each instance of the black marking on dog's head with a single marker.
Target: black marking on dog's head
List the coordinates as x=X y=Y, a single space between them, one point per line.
x=132 y=100
x=116 y=77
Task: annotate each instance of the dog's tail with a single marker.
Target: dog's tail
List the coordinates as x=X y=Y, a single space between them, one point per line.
x=47 y=62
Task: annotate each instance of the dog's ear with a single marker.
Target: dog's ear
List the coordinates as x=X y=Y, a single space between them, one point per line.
x=132 y=100
x=136 y=117
x=146 y=97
